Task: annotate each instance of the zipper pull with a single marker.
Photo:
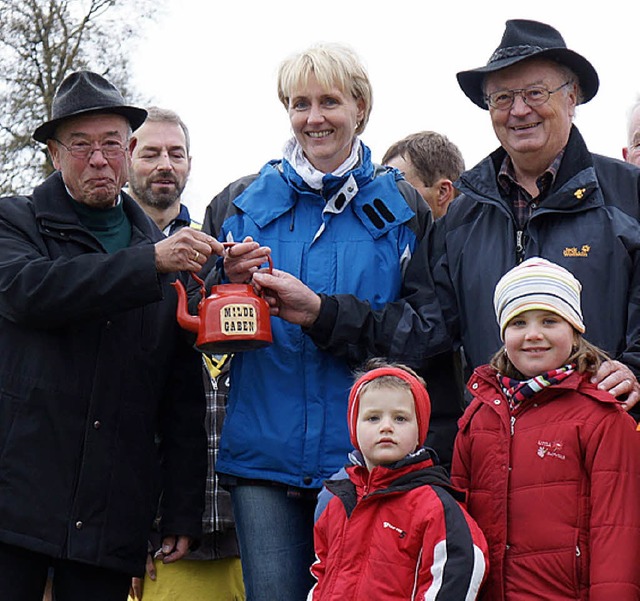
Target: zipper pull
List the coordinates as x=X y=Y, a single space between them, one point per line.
x=519 y=246
x=513 y=423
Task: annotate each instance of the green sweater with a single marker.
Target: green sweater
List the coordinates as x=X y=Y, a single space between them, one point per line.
x=110 y=226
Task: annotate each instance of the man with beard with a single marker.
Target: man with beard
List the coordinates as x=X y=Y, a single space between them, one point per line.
x=160 y=165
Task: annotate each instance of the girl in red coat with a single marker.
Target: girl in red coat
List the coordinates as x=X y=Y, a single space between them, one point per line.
x=394 y=530
x=551 y=463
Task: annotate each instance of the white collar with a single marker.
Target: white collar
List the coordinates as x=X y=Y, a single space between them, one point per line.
x=294 y=154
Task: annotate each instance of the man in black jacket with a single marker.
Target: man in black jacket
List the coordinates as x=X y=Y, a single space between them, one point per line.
x=542 y=193
x=93 y=365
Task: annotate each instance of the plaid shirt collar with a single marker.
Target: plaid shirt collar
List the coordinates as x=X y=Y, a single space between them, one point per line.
x=522 y=202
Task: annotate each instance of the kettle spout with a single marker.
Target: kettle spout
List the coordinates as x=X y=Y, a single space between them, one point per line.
x=185 y=319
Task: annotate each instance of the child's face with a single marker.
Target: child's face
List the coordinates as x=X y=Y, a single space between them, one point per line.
x=387 y=428
x=538 y=341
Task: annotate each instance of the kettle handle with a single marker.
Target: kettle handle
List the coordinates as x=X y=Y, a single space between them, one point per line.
x=199 y=280
x=270 y=270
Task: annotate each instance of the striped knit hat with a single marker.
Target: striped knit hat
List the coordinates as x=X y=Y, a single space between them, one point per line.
x=538 y=284
x=420 y=397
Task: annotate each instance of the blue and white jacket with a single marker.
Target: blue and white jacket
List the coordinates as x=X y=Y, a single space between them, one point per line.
x=357 y=244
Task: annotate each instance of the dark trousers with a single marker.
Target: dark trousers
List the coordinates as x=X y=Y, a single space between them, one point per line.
x=23 y=576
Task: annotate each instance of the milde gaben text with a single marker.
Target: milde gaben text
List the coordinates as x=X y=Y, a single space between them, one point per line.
x=238 y=311
x=238 y=319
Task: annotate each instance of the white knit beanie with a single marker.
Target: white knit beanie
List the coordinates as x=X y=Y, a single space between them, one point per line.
x=538 y=284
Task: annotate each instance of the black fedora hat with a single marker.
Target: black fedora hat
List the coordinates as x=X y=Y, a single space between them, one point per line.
x=522 y=40
x=86 y=92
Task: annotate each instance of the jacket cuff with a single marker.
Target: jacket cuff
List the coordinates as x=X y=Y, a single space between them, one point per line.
x=322 y=328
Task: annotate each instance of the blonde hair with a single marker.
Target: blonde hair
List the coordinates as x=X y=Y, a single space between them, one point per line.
x=332 y=65
x=586 y=356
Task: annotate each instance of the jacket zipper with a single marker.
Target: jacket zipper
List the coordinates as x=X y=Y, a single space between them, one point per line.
x=519 y=246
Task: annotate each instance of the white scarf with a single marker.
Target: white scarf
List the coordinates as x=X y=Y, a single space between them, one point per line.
x=294 y=154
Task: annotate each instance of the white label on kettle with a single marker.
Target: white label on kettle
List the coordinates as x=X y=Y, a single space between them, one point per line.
x=238 y=320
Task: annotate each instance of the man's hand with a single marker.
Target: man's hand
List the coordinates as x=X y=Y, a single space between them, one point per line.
x=137 y=584
x=135 y=589
x=173 y=548
x=288 y=297
x=619 y=380
x=186 y=250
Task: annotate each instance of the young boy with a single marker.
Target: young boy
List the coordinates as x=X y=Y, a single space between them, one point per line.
x=552 y=464
x=394 y=529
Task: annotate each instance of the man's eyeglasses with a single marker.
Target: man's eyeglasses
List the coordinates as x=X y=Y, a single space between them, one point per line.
x=83 y=150
x=532 y=96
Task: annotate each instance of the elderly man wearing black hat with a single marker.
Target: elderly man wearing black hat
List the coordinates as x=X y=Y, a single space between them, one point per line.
x=93 y=367
x=542 y=193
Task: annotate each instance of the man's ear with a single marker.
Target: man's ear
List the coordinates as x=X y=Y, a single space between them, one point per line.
x=133 y=142
x=446 y=191
x=54 y=153
x=625 y=152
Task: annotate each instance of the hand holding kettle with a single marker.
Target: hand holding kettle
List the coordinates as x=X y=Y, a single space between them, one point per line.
x=243 y=259
x=232 y=318
x=288 y=297
x=186 y=250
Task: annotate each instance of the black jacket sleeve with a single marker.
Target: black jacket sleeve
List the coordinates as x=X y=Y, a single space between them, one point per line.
x=408 y=329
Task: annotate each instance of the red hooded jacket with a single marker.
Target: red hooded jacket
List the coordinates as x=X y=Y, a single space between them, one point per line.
x=397 y=533
x=555 y=488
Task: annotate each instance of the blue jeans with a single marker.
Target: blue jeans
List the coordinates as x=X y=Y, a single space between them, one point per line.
x=275 y=535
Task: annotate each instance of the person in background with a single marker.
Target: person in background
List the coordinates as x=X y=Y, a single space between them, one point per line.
x=542 y=193
x=93 y=365
x=160 y=166
x=551 y=462
x=395 y=528
x=330 y=219
x=430 y=162
x=631 y=152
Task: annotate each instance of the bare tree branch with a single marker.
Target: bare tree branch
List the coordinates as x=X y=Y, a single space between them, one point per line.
x=41 y=42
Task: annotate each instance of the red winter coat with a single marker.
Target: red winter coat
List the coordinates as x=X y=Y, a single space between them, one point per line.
x=555 y=489
x=397 y=533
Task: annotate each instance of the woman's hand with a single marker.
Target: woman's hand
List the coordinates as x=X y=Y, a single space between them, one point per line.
x=243 y=259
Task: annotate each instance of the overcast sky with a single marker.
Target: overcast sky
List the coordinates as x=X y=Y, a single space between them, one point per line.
x=215 y=64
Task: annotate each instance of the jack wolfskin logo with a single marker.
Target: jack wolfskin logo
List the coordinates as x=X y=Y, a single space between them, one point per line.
x=574 y=251
x=551 y=449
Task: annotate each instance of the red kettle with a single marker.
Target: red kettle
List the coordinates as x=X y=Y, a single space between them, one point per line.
x=232 y=318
